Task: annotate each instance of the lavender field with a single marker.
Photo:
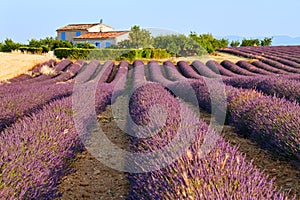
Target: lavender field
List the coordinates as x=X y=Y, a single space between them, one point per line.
x=259 y=99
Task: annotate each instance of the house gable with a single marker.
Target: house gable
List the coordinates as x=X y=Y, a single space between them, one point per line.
x=100 y=28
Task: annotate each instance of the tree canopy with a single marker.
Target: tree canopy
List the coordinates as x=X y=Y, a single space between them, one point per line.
x=138 y=38
x=179 y=45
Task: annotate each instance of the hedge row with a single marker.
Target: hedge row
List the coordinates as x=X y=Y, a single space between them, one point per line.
x=110 y=54
x=34 y=50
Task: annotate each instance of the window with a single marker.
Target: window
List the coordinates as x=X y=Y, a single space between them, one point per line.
x=107 y=44
x=78 y=33
x=98 y=44
x=63 y=35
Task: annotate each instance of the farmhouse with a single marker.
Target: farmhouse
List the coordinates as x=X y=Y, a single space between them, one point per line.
x=98 y=34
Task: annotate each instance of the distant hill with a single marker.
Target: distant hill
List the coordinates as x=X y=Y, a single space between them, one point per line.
x=279 y=40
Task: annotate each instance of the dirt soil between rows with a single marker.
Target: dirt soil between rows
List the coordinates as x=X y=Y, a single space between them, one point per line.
x=93 y=180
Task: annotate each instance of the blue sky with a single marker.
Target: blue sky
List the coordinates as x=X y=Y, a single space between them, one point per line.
x=23 y=20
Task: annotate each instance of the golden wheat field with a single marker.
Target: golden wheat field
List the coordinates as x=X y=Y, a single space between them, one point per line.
x=15 y=64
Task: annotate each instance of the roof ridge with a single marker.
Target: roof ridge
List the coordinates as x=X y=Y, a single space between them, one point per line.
x=109 y=34
x=84 y=26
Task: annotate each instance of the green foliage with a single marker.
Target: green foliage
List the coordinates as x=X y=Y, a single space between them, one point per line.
x=208 y=42
x=61 y=44
x=235 y=43
x=49 y=43
x=250 y=42
x=46 y=49
x=1 y=46
x=160 y=54
x=35 y=43
x=9 y=45
x=73 y=53
x=110 y=54
x=84 y=45
x=178 y=45
x=33 y=50
x=266 y=41
x=138 y=38
x=145 y=54
x=125 y=44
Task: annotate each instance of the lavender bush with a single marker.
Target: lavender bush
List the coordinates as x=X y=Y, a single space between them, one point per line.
x=219 y=69
x=252 y=68
x=172 y=72
x=188 y=71
x=204 y=70
x=236 y=69
x=222 y=174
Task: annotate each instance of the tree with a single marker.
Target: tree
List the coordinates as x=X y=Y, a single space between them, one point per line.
x=61 y=44
x=9 y=45
x=125 y=44
x=35 y=43
x=1 y=46
x=250 y=42
x=223 y=43
x=139 y=38
x=208 y=42
x=266 y=41
x=235 y=43
x=179 y=45
x=49 y=43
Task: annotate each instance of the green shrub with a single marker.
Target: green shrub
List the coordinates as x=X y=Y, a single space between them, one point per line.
x=9 y=45
x=32 y=50
x=45 y=48
x=84 y=45
x=178 y=45
x=147 y=53
x=208 y=42
x=110 y=54
x=250 y=42
x=159 y=54
x=266 y=41
x=235 y=43
x=89 y=54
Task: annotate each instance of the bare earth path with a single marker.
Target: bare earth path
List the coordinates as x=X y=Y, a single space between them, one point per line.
x=92 y=179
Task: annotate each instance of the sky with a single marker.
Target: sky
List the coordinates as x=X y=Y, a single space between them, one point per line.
x=24 y=20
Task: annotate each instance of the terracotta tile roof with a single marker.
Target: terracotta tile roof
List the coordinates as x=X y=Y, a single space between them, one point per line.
x=102 y=35
x=79 y=27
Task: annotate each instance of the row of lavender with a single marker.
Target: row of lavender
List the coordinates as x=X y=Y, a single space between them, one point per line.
x=282 y=58
x=28 y=96
x=221 y=174
x=283 y=85
x=226 y=69
x=204 y=100
x=270 y=118
x=36 y=151
x=286 y=55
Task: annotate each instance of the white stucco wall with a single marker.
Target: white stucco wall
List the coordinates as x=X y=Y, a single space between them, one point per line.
x=93 y=41
x=99 y=27
x=121 y=38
